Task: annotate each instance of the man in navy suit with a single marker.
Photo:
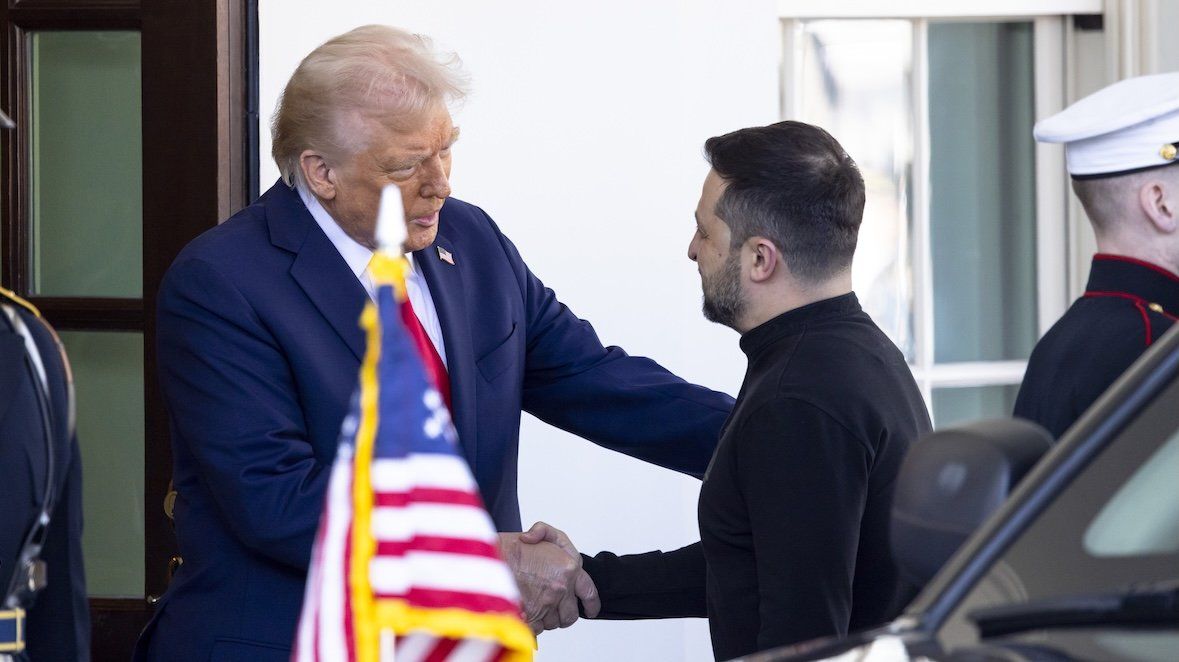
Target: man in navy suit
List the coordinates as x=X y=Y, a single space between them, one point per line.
x=259 y=350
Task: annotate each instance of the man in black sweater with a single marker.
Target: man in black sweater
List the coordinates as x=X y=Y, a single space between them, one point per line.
x=794 y=509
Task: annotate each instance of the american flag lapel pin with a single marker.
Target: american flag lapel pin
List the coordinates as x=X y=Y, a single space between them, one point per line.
x=445 y=256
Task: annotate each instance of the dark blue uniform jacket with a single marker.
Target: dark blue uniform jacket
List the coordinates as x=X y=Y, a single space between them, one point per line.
x=1128 y=304
x=58 y=625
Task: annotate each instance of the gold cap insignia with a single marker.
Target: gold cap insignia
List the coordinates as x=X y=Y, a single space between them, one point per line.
x=1168 y=152
x=1155 y=307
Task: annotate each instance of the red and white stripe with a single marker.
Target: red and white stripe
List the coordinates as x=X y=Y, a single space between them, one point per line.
x=321 y=634
x=437 y=547
x=423 y=647
x=436 y=544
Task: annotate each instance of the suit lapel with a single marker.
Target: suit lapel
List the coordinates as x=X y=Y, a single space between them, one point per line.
x=448 y=292
x=337 y=294
x=332 y=287
x=318 y=267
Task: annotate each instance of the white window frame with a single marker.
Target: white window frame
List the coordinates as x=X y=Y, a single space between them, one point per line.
x=992 y=9
x=1054 y=245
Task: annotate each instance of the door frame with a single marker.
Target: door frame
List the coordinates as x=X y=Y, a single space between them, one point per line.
x=199 y=127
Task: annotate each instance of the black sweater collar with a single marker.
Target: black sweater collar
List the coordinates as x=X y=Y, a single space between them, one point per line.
x=792 y=322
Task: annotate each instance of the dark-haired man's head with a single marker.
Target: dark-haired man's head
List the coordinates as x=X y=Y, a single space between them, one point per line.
x=777 y=222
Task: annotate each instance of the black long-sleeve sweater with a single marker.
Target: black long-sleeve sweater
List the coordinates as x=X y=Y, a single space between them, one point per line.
x=794 y=509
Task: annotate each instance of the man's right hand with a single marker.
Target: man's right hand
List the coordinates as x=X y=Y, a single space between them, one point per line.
x=548 y=570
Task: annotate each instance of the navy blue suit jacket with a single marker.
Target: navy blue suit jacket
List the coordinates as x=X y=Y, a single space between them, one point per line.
x=259 y=349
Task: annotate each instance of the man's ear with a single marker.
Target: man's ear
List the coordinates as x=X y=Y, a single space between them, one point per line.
x=766 y=260
x=320 y=177
x=1160 y=202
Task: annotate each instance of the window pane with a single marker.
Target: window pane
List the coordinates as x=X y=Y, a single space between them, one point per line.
x=972 y=403
x=856 y=82
x=983 y=190
x=108 y=377
x=86 y=164
x=1143 y=516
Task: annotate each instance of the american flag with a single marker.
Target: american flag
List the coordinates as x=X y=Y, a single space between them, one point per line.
x=405 y=562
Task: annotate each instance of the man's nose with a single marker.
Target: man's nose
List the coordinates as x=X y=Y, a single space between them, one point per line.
x=692 y=249
x=436 y=183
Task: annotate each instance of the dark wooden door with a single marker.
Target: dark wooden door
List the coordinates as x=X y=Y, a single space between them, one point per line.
x=133 y=136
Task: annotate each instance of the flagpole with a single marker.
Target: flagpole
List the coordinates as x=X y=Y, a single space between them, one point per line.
x=390 y=236
x=490 y=616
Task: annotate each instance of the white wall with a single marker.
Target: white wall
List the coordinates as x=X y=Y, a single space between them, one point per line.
x=583 y=137
x=1167 y=58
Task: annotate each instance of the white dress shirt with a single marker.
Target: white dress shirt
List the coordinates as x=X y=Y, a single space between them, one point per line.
x=358 y=256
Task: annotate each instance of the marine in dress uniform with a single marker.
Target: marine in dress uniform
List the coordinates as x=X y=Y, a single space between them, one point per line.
x=1121 y=146
x=44 y=615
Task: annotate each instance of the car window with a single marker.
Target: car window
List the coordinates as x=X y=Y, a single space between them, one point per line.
x=1143 y=517
x=1116 y=524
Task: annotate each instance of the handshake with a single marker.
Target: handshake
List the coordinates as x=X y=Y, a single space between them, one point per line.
x=547 y=568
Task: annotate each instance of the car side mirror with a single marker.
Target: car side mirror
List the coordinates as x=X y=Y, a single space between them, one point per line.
x=950 y=482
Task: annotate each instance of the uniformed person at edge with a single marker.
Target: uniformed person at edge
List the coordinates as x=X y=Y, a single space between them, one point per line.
x=1120 y=145
x=44 y=614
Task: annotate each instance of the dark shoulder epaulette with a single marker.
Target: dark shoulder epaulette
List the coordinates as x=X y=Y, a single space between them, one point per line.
x=8 y=295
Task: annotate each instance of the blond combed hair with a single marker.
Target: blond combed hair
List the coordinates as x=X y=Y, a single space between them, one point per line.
x=371 y=71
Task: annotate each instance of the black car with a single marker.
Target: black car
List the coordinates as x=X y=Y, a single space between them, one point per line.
x=1081 y=562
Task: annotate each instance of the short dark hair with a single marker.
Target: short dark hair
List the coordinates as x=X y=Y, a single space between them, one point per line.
x=793 y=184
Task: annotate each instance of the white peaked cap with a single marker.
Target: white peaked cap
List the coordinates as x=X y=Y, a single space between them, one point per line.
x=391 y=230
x=1129 y=126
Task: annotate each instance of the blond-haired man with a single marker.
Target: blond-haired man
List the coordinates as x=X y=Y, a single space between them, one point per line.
x=259 y=350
